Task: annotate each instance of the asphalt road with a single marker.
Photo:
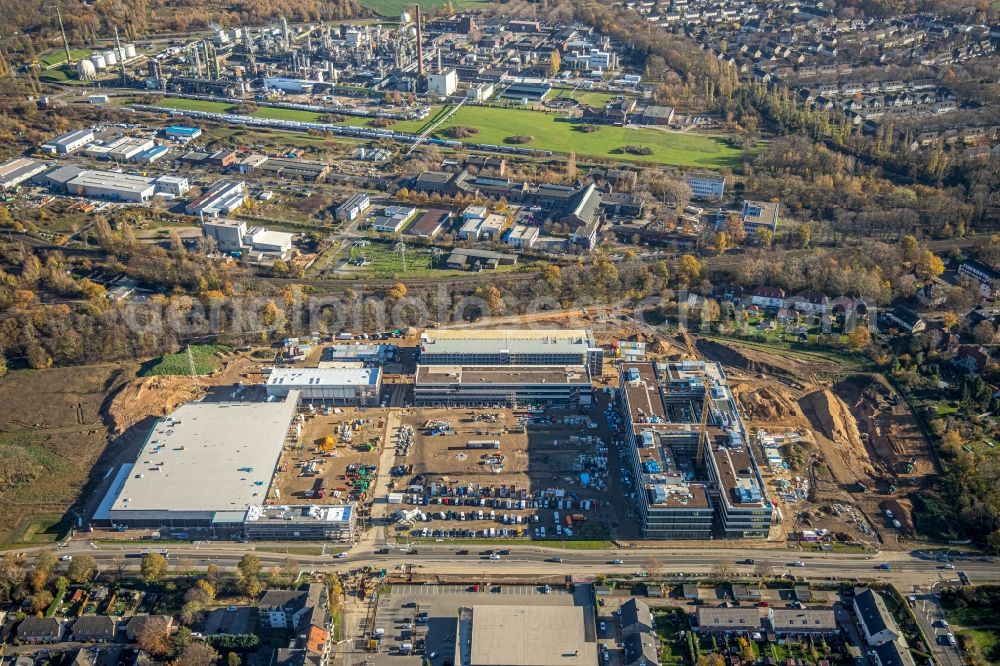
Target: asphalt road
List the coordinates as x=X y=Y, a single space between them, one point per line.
x=906 y=571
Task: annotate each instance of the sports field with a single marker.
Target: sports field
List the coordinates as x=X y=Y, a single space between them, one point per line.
x=558 y=134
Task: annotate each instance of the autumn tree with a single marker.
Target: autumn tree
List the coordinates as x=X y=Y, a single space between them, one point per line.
x=248 y=576
x=82 y=569
x=397 y=291
x=197 y=654
x=154 y=636
x=153 y=567
x=689 y=270
x=555 y=61
x=860 y=338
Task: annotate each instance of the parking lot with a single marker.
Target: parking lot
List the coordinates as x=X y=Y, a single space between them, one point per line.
x=418 y=621
x=518 y=472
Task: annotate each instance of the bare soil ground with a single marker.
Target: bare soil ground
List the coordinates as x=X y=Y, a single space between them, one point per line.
x=861 y=447
x=51 y=433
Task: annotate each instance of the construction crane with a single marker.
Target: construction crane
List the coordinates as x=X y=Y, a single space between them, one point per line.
x=692 y=355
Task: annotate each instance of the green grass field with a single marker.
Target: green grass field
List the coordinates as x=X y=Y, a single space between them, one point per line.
x=59 y=56
x=276 y=113
x=206 y=360
x=393 y=8
x=557 y=134
x=593 y=98
x=385 y=263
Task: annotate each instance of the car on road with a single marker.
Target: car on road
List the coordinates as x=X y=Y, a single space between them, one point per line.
x=494 y=556
x=615 y=561
x=412 y=551
x=798 y=563
x=885 y=566
x=462 y=552
x=382 y=551
x=505 y=552
x=748 y=561
x=556 y=559
x=341 y=556
x=941 y=623
x=948 y=565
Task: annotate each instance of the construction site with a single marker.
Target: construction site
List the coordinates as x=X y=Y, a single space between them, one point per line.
x=335 y=461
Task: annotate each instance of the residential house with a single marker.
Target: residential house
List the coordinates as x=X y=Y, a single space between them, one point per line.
x=136 y=624
x=94 y=629
x=986 y=276
x=876 y=622
x=811 y=302
x=37 y=630
x=634 y=617
x=523 y=236
x=891 y=654
x=640 y=650
x=294 y=609
x=802 y=621
x=726 y=619
x=972 y=359
x=768 y=297
x=749 y=592
x=906 y=319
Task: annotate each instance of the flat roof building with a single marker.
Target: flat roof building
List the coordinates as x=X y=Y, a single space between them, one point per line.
x=223 y=198
x=690 y=479
x=507 y=635
x=502 y=385
x=757 y=215
x=512 y=347
x=202 y=467
x=429 y=224
x=300 y=523
x=112 y=185
x=16 y=171
x=339 y=386
x=69 y=142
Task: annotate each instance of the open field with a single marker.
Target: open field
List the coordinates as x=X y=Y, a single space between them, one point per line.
x=393 y=8
x=278 y=113
x=205 y=359
x=51 y=433
x=384 y=262
x=59 y=56
x=559 y=134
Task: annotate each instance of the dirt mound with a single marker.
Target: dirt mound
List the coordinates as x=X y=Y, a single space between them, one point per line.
x=736 y=358
x=149 y=396
x=839 y=438
x=765 y=404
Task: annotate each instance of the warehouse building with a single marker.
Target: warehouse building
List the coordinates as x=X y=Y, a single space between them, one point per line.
x=112 y=185
x=512 y=347
x=536 y=635
x=335 y=386
x=69 y=142
x=182 y=133
x=352 y=209
x=502 y=385
x=202 y=467
x=300 y=523
x=16 y=171
x=174 y=185
x=360 y=353
x=223 y=198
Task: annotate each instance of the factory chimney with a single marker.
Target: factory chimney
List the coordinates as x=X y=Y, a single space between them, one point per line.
x=420 y=42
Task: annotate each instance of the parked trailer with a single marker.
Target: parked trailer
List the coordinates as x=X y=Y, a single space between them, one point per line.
x=483 y=444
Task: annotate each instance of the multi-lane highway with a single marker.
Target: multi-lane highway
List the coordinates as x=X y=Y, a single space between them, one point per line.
x=906 y=570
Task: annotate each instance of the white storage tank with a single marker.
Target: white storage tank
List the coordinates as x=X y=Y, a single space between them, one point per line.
x=130 y=50
x=110 y=58
x=99 y=61
x=86 y=70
